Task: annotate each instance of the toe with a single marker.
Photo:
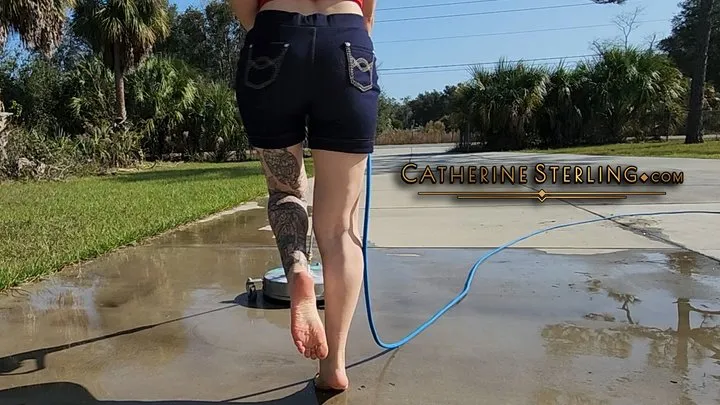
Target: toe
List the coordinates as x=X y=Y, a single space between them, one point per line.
x=322 y=351
x=300 y=346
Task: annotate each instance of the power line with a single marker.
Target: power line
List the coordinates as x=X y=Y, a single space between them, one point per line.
x=427 y=71
x=400 y=73
x=481 y=63
x=491 y=34
x=517 y=10
x=455 y=3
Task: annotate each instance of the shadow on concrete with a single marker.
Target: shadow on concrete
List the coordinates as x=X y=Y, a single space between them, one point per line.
x=68 y=393
x=262 y=302
x=10 y=363
x=259 y=302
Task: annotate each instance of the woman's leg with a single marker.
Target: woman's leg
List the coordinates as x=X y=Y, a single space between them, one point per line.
x=287 y=212
x=338 y=181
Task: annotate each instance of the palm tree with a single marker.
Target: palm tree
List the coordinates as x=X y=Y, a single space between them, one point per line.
x=564 y=112
x=505 y=101
x=628 y=84
x=123 y=32
x=162 y=92
x=39 y=23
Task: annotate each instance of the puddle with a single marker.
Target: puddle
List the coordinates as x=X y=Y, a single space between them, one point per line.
x=170 y=319
x=243 y=229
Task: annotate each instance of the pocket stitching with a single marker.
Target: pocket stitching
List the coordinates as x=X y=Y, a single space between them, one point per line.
x=263 y=62
x=361 y=63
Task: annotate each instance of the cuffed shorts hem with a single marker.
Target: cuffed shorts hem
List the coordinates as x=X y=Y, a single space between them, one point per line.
x=341 y=145
x=278 y=142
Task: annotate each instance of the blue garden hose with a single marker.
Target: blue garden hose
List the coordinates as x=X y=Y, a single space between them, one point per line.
x=471 y=274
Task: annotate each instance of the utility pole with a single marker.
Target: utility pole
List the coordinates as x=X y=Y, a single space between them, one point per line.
x=697 y=88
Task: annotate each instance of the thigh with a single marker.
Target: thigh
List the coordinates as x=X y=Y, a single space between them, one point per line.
x=270 y=90
x=344 y=109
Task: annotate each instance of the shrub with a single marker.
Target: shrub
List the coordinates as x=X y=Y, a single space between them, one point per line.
x=32 y=155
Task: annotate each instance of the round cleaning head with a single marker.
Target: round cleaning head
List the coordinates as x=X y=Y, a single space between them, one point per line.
x=275 y=283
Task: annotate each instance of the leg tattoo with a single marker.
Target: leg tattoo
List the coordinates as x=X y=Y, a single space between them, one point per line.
x=289 y=220
x=287 y=206
x=284 y=167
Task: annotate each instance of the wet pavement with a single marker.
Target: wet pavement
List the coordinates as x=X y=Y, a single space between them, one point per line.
x=601 y=315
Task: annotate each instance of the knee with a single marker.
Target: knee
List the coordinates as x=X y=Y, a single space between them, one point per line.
x=334 y=234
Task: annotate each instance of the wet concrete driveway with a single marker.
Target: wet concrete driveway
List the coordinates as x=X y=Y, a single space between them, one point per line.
x=598 y=316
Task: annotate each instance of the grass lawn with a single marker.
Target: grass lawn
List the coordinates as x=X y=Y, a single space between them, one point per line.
x=45 y=226
x=710 y=149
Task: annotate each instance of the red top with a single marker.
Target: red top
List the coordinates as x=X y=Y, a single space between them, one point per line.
x=262 y=3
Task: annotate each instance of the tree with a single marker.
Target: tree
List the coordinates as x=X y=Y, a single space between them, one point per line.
x=187 y=39
x=627 y=23
x=161 y=94
x=39 y=23
x=565 y=111
x=431 y=106
x=209 y=40
x=501 y=103
x=123 y=32
x=699 y=72
x=71 y=51
x=629 y=87
x=680 y=45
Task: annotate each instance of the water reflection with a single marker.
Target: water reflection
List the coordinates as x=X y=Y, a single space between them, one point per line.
x=688 y=345
x=136 y=296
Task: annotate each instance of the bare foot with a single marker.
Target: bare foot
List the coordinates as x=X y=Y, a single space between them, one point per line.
x=332 y=379
x=306 y=327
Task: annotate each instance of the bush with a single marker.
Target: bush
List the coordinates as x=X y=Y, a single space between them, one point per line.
x=623 y=93
x=32 y=155
x=91 y=89
x=105 y=147
x=174 y=110
x=214 y=125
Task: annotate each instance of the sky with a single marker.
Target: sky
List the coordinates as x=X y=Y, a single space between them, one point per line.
x=415 y=54
x=404 y=44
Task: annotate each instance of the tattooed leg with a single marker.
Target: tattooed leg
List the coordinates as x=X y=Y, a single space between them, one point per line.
x=288 y=216
x=289 y=221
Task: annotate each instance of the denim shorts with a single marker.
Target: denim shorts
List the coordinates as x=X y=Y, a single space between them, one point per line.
x=311 y=75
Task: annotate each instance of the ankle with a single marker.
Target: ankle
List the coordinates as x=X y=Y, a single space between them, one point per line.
x=301 y=277
x=302 y=288
x=333 y=362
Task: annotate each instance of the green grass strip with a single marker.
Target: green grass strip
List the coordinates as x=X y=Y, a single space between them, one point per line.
x=674 y=148
x=45 y=226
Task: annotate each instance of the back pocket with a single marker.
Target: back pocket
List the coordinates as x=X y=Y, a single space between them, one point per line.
x=263 y=63
x=360 y=65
